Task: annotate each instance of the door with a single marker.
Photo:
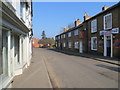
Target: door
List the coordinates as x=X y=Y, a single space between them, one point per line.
x=108 y=46
x=80 y=47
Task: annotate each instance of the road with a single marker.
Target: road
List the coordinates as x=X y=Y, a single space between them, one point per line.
x=68 y=71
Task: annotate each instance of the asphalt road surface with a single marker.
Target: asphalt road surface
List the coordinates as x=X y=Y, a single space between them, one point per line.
x=68 y=71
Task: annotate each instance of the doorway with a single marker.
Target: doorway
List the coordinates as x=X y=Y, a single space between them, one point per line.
x=80 y=47
x=108 y=50
x=108 y=46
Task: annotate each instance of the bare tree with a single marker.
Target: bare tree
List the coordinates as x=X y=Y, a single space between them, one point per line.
x=71 y=25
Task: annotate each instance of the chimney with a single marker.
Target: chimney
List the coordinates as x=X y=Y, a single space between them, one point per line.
x=86 y=17
x=66 y=29
x=104 y=8
x=77 y=22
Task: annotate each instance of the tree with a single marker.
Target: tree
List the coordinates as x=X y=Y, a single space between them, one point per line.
x=43 y=35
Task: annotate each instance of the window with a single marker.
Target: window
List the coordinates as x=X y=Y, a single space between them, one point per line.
x=16 y=54
x=69 y=44
x=93 y=43
x=94 y=26
x=64 y=44
x=108 y=21
x=58 y=44
x=5 y=52
x=63 y=36
x=21 y=9
x=76 y=44
x=58 y=37
x=69 y=34
x=1 y=68
x=76 y=32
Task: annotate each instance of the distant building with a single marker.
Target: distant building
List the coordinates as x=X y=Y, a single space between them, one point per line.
x=98 y=35
x=35 y=43
x=15 y=39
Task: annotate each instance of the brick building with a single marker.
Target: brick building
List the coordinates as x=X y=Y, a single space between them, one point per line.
x=98 y=35
x=35 y=43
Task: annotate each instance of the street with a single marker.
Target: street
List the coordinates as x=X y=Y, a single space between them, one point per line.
x=68 y=71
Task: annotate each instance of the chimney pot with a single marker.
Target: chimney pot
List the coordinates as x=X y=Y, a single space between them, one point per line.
x=104 y=8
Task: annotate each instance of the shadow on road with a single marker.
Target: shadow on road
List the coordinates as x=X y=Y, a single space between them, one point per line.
x=84 y=54
x=117 y=69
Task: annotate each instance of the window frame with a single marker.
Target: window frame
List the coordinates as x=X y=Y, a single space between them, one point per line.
x=94 y=27
x=69 y=34
x=93 y=44
x=1 y=60
x=105 y=22
x=76 y=32
x=76 y=44
x=64 y=44
x=69 y=44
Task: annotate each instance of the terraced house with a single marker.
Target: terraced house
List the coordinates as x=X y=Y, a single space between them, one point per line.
x=15 y=39
x=98 y=35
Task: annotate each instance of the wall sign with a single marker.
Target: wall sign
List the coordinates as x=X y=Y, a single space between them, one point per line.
x=100 y=44
x=117 y=43
x=114 y=31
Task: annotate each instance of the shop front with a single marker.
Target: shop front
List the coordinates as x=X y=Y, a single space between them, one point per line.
x=109 y=36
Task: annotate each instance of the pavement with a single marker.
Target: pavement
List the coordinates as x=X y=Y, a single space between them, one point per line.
x=35 y=76
x=115 y=61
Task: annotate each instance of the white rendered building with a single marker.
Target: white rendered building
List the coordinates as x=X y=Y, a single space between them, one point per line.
x=15 y=39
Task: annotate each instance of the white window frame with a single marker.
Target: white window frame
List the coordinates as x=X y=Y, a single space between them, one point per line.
x=93 y=44
x=94 y=26
x=58 y=37
x=69 y=44
x=69 y=34
x=76 y=32
x=63 y=35
x=76 y=45
x=105 y=22
x=64 y=44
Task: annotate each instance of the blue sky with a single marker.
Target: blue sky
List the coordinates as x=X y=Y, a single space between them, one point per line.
x=53 y=16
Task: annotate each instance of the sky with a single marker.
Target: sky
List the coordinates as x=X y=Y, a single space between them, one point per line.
x=53 y=16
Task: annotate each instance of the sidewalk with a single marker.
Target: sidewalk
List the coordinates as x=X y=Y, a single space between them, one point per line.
x=95 y=57
x=35 y=76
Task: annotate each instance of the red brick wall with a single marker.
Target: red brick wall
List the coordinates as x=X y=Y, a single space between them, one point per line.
x=35 y=42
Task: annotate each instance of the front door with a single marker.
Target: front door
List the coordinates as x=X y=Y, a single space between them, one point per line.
x=108 y=46
x=80 y=47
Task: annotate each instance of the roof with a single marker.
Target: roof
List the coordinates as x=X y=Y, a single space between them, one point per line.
x=110 y=8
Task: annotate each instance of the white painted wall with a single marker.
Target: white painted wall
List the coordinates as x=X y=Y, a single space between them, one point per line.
x=25 y=50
